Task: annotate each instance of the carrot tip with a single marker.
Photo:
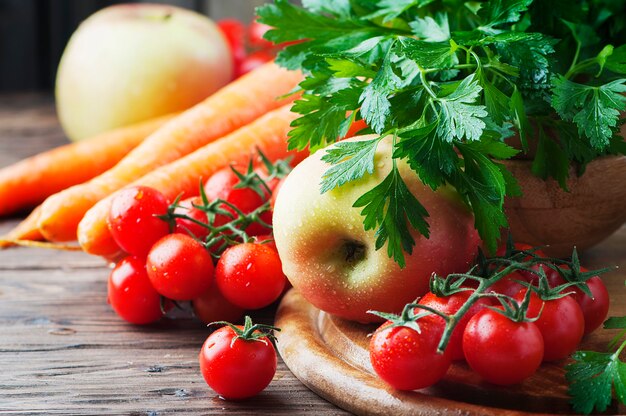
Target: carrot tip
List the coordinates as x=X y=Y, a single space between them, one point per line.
x=6 y=243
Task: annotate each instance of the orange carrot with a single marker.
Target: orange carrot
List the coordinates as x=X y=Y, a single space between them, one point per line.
x=25 y=230
x=268 y=133
x=233 y=106
x=28 y=182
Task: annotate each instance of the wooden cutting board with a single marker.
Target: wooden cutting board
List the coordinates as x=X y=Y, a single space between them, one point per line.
x=330 y=356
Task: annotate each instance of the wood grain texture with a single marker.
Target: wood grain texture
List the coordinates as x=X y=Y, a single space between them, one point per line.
x=330 y=356
x=62 y=348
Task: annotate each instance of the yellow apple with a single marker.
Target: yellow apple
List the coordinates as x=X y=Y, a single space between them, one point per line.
x=133 y=62
x=331 y=259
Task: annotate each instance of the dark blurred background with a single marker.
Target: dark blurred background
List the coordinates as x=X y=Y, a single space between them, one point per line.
x=33 y=33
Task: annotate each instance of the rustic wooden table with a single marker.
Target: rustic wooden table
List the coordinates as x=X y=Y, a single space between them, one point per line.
x=62 y=348
x=64 y=351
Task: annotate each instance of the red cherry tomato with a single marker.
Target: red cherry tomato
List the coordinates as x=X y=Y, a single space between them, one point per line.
x=266 y=239
x=234 y=367
x=187 y=226
x=450 y=305
x=179 y=267
x=500 y=350
x=508 y=285
x=406 y=359
x=561 y=324
x=501 y=251
x=131 y=294
x=133 y=218
x=211 y=306
x=255 y=60
x=222 y=185
x=595 y=309
x=527 y=275
x=250 y=275
x=235 y=33
x=256 y=30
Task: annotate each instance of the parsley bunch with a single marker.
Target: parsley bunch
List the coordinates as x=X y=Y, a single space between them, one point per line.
x=450 y=80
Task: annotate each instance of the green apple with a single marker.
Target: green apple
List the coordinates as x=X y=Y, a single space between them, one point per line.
x=330 y=258
x=132 y=62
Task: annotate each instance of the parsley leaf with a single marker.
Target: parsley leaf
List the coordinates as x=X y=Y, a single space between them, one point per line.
x=338 y=8
x=386 y=208
x=375 y=105
x=595 y=110
x=390 y=9
x=426 y=154
x=483 y=185
x=550 y=160
x=593 y=376
x=460 y=116
x=350 y=160
x=431 y=29
x=319 y=125
x=498 y=12
x=616 y=62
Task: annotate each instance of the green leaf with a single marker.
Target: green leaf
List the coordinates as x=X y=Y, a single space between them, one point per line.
x=550 y=160
x=494 y=148
x=482 y=184
x=319 y=124
x=387 y=207
x=320 y=34
x=375 y=105
x=343 y=68
x=427 y=154
x=390 y=9
x=350 y=160
x=431 y=29
x=459 y=116
x=582 y=33
x=337 y=8
x=428 y=54
x=615 y=322
x=530 y=54
x=592 y=376
x=294 y=23
x=518 y=115
x=595 y=110
x=498 y=12
x=616 y=62
x=496 y=102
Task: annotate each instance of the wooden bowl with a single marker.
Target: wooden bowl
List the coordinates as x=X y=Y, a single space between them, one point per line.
x=546 y=215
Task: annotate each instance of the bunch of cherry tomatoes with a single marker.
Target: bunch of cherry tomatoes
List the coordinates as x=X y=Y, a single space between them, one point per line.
x=248 y=48
x=528 y=316
x=213 y=251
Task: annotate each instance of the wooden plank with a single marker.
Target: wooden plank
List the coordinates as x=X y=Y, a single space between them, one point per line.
x=63 y=350
x=28 y=125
